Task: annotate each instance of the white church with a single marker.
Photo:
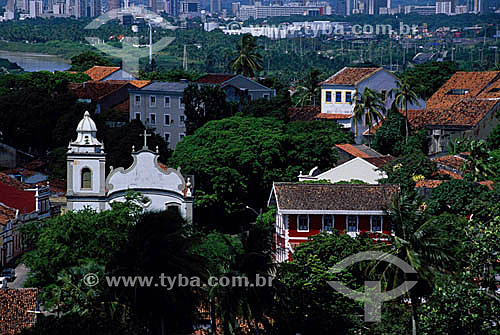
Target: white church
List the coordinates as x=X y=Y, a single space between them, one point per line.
x=88 y=185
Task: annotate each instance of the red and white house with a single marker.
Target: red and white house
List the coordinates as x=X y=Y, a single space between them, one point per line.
x=304 y=210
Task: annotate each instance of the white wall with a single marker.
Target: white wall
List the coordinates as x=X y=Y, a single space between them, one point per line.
x=356 y=168
x=93 y=165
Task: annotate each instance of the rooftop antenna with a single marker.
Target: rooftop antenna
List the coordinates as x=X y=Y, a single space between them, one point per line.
x=184 y=59
x=150 y=44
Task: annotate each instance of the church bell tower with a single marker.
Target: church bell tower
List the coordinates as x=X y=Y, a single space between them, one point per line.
x=86 y=163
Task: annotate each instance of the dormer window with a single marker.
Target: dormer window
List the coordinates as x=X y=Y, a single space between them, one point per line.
x=458 y=91
x=86 y=179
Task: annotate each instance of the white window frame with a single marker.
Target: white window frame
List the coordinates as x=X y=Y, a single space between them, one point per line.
x=308 y=223
x=181 y=121
x=181 y=136
x=137 y=103
x=151 y=119
x=181 y=105
x=140 y=116
x=351 y=233
x=381 y=224
x=151 y=104
x=266 y=96
x=164 y=135
x=165 y=103
x=323 y=223
x=165 y=120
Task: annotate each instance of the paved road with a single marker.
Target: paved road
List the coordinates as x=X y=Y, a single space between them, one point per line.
x=21 y=276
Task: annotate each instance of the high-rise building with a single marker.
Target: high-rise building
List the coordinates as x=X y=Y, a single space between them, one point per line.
x=94 y=8
x=157 y=6
x=235 y=8
x=114 y=4
x=215 y=6
x=173 y=7
x=36 y=8
x=11 y=6
x=443 y=7
x=373 y=6
x=479 y=7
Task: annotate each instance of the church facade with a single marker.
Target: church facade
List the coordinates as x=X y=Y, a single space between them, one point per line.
x=88 y=185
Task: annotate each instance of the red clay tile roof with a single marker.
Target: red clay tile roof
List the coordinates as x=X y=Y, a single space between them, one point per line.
x=428 y=183
x=488 y=183
x=451 y=161
x=36 y=165
x=56 y=185
x=13 y=194
x=379 y=161
x=6 y=214
x=16 y=309
x=444 y=172
x=96 y=90
x=329 y=116
x=306 y=113
x=373 y=129
x=101 y=72
x=135 y=83
x=435 y=183
x=473 y=82
x=462 y=101
x=334 y=197
x=352 y=150
x=123 y=107
x=351 y=75
x=466 y=113
x=415 y=121
x=215 y=78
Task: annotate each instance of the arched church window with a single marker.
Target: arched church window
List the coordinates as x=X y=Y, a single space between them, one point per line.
x=86 y=178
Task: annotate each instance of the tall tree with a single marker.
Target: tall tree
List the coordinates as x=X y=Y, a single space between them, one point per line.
x=309 y=91
x=248 y=60
x=202 y=104
x=88 y=59
x=422 y=242
x=404 y=95
x=368 y=107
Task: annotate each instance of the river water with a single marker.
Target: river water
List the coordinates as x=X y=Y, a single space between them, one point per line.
x=32 y=62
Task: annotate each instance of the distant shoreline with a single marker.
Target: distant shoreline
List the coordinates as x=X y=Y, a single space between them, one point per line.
x=33 y=54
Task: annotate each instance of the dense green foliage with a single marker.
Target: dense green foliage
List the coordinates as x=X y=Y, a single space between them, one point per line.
x=455 y=196
x=305 y=302
x=235 y=161
x=32 y=104
x=405 y=170
x=457 y=306
x=204 y=103
x=391 y=134
x=86 y=60
x=425 y=79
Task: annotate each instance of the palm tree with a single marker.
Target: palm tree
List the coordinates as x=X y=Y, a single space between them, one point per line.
x=422 y=242
x=249 y=60
x=368 y=106
x=403 y=95
x=309 y=91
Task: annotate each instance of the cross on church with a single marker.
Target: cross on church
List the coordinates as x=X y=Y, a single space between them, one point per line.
x=146 y=135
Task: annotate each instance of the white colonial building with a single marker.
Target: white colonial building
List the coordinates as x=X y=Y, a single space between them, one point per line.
x=88 y=186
